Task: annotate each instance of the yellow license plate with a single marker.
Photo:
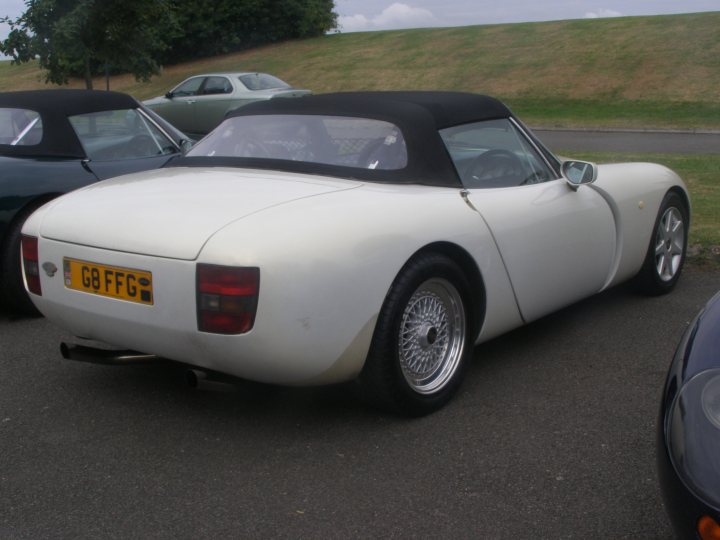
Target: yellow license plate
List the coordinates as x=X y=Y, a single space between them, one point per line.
x=111 y=281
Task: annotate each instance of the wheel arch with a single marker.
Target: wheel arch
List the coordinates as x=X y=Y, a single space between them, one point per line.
x=648 y=279
x=382 y=380
x=469 y=267
x=684 y=196
x=12 y=292
x=25 y=210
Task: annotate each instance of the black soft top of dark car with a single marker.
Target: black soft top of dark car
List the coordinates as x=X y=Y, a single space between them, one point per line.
x=54 y=107
x=418 y=114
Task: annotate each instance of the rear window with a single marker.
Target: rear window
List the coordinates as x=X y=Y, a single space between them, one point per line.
x=20 y=127
x=330 y=140
x=262 y=81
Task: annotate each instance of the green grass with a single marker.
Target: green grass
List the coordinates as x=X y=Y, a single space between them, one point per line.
x=660 y=71
x=701 y=174
x=618 y=113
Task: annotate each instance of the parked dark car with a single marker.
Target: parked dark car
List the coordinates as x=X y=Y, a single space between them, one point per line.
x=689 y=430
x=54 y=141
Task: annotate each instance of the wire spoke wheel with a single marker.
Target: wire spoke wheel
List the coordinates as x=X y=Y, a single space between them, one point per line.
x=431 y=337
x=423 y=338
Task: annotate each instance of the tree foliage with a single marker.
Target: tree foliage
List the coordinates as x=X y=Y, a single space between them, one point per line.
x=79 y=37
x=82 y=37
x=211 y=27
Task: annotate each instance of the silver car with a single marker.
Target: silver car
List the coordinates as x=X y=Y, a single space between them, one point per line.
x=198 y=104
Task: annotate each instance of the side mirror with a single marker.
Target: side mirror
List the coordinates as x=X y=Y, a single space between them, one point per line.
x=169 y=95
x=577 y=173
x=185 y=145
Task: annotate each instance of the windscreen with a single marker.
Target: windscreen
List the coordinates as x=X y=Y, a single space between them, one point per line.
x=494 y=153
x=120 y=134
x=330 y=140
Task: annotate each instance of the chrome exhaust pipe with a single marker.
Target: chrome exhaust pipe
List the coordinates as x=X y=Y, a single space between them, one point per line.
x=108 y=357
x=206 y=380
x=195 y=378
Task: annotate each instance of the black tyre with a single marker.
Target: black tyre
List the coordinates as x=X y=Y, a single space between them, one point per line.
x=12 y=289
x=666 y=253
x=422 y=341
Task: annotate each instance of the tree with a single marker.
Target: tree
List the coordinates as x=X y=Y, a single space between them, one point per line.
x=212 y=27
x=81 y=37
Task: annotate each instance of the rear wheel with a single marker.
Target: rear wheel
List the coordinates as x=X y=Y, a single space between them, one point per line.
x=12 y=288
x=422 y=343
x=666 y=253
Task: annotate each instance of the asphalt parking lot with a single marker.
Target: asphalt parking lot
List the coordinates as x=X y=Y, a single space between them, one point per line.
x=551 y=436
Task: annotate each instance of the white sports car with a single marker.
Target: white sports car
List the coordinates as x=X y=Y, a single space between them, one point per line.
x=370 y=236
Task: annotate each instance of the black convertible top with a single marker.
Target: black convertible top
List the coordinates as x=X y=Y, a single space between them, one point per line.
x=445 y=109
x=54 y=107
x=68 y=102
x=418 y=114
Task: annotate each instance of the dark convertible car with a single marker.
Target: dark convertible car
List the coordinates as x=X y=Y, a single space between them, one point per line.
x=689 y=430
x=54 y=141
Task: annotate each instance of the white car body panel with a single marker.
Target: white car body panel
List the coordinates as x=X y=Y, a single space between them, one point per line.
x=634 y=192
x=558 y=244
x=165 y=221
x=313 y=324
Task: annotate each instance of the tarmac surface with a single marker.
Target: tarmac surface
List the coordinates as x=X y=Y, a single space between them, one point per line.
x=652 y=142
x=552 y=435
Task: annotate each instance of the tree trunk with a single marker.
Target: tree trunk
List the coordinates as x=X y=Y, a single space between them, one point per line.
x=88 y=75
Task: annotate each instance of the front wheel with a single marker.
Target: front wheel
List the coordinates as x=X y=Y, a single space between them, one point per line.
x=668 y=244
x=422 y=342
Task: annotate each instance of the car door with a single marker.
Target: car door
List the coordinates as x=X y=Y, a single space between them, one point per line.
x=557 y=243
x=122 y=142
x=213 y=102
x=179 y=109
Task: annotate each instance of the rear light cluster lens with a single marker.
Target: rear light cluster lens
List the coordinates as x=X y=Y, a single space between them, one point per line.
x=31 y=264
x=227 y=298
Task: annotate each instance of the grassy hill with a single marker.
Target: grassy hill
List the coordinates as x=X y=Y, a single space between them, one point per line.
x=661 y=71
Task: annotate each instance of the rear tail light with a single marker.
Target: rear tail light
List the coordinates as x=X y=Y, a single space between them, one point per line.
x=31 y=264
x=227 y=298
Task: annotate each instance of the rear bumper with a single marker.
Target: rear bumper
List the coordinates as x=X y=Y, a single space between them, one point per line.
x=274 y=351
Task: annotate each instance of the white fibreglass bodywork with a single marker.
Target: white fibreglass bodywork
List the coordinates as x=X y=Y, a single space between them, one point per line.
x=328 y=251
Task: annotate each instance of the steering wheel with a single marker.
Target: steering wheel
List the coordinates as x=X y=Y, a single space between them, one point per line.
x=495 y=165
x=383 y=154
x=140 y=146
